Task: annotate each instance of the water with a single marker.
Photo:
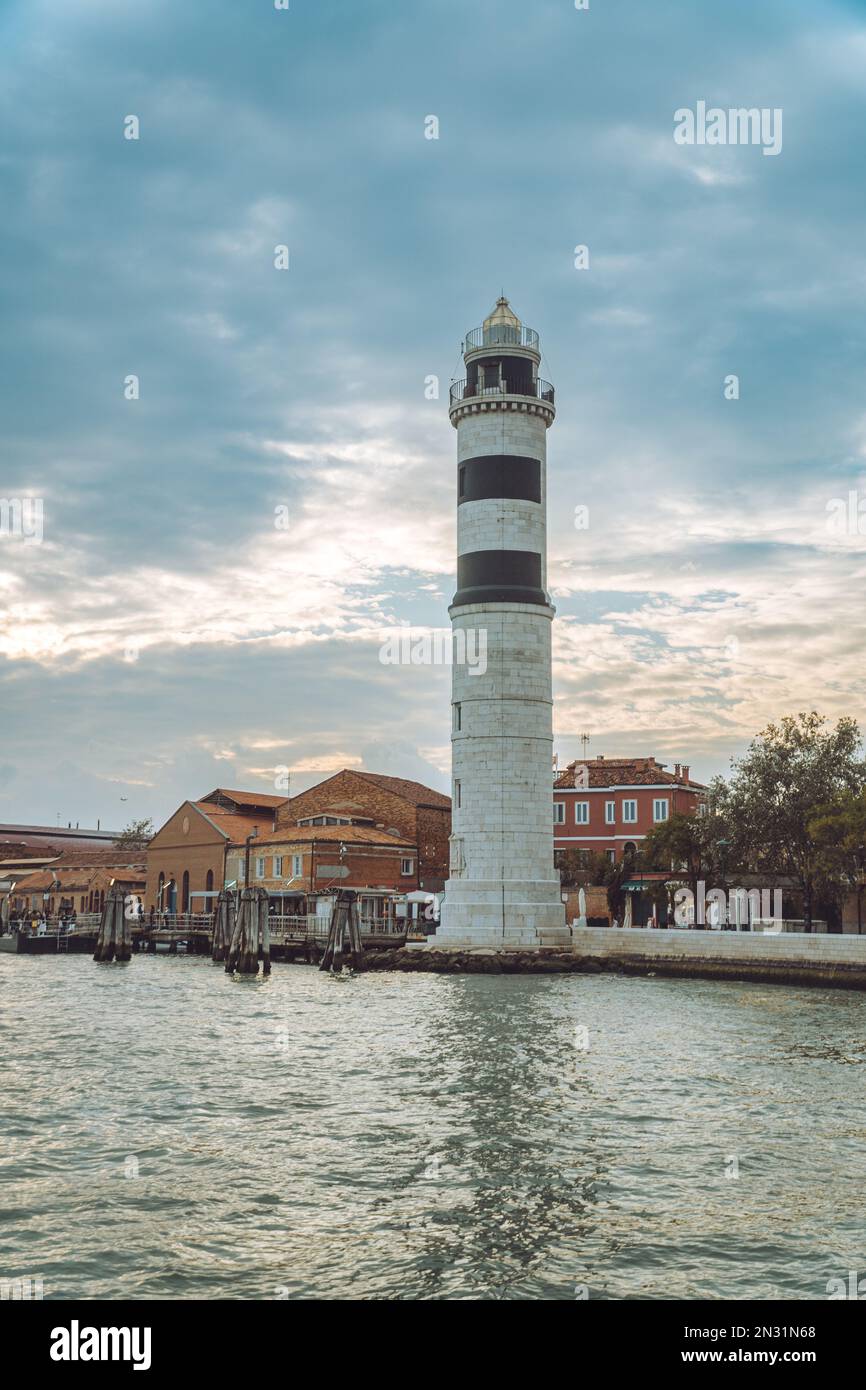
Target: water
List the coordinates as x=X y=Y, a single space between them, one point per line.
x=168 y=1132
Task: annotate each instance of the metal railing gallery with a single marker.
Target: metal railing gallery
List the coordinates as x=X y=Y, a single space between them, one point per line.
x=501 y=335
x=541 y=390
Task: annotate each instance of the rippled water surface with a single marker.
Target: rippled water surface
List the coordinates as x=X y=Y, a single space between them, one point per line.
x=168 y=1132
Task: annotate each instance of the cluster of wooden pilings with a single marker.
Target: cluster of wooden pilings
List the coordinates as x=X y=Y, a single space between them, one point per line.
x=114 y=941
x=343 y=946
x=242 y=932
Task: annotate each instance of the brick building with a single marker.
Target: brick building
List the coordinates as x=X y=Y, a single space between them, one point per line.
x=187 y=856
x=300 y=859
x=403 y=810
x=80 y=887
x=26 y=848
x=606 y=805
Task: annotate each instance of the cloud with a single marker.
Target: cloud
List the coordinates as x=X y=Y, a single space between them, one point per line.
x=168 y=632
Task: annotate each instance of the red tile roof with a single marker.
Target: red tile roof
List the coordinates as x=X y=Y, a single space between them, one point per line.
x=232 y=824
x=623 y=772
x=81 y=878
x=244 y=798
x=108 y=858
x=416 y=792
x=68 y=856
x=334 y=834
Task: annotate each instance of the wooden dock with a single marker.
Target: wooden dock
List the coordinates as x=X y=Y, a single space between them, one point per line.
x=292 y=943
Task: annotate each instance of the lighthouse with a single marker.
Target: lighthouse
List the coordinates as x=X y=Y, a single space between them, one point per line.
x=502 y=890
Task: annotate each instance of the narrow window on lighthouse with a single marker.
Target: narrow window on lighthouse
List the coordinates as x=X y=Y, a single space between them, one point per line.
x=457 y=717
x=457 y=795
x=461 y=481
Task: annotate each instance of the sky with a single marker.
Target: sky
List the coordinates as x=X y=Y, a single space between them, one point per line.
x=220 y=560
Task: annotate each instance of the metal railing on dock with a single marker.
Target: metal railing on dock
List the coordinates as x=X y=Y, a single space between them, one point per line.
x=173 y=927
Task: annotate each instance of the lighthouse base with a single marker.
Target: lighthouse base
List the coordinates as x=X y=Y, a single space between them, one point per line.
x=501 y=916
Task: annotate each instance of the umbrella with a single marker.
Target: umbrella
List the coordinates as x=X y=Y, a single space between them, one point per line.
x=627 y=920
x=581 y=908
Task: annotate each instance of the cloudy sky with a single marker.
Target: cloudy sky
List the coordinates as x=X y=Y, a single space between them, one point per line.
x=168 y=635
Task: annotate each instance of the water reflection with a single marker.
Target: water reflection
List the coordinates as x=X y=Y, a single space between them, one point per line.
x=410 y=1137
x=509 y=1074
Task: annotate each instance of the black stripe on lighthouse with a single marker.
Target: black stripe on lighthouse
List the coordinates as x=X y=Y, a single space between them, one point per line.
x=499 y=475
x=499 y=576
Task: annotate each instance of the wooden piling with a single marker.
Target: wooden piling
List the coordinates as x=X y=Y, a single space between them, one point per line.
x=114 y=940
x=344 y=934
x=250 y=940
x=224 y=923
x=265 y=933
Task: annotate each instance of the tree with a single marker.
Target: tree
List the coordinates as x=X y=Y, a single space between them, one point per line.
x=582 y=868
x=701 y=847
x=791 y=771
x=839 y=833
x=618 y=873
x=136 y=835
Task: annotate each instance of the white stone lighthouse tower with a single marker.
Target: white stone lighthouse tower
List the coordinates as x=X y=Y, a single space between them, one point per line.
x=503 y=889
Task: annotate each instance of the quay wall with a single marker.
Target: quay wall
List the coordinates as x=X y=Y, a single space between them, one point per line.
x=653 y=944
x=837 y=962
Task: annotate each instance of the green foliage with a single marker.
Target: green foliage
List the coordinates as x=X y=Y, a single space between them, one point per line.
x=136 y=835
x=793 y=810
x=786 y=797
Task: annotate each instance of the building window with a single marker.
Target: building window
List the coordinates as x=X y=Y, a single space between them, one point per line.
x=184 y=892
x=581 y=813
x=457 y=799
x=610 y=813
x=660 y=808
x=559 y=813
x=208 y=883
x=278 y=866
x=297 y=865
x=461 y=473
x=407 y=867
x=629 y=847
x=611 y=854
x=457 y=717
x=629 y=812
x=260 y=866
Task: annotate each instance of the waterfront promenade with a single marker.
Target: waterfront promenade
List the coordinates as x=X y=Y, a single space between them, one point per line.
x=788 y=958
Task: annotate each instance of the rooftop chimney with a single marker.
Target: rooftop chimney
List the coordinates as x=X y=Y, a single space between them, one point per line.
x=685 y=772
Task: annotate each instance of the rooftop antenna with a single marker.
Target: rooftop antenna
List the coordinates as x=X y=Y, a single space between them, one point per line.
x=584 y=739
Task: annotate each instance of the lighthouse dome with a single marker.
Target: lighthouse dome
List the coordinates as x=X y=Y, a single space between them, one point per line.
x=502 y=314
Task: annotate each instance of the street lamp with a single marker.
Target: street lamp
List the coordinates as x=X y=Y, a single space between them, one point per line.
x=253 y=835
